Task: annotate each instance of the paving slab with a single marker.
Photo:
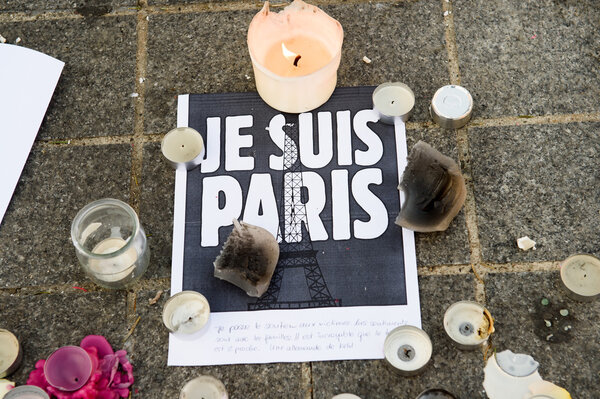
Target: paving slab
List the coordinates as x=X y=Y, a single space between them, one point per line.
x=35 y=235
x=156 y=209
x=92 y=97
x=82 y=6
x=521 y=58
x=207 y=53
x=539 y=181
x=154 y=380
x=452 y=245
x=460 y=372
x=44 y=322
x=566 y=348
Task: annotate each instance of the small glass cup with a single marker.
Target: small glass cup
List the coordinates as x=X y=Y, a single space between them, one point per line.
x=110 y=243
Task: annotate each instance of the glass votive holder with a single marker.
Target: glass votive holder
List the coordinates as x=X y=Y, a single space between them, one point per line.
x=110 y=243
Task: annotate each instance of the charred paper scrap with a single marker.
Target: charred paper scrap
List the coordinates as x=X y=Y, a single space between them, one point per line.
x=434 y=190
x=248 y=258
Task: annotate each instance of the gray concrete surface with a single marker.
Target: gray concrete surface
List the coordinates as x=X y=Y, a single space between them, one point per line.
x=530 y=158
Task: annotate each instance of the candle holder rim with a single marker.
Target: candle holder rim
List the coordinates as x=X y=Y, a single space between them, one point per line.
x=437 y=390
x=80 y=350
x=388 y=84
x=467 y=113
x=105 y=201
x=335 y=57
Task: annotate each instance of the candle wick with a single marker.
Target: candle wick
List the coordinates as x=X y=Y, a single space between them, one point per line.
x=297 y=59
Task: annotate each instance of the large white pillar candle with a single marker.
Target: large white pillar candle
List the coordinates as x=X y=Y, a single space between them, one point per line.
x=295 y=55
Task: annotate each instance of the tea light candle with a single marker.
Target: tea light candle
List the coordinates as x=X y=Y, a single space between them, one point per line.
x=546 y=390
x=183 y=147
x=435 y=393
x=186 y=312
x=509 y=375
x=26 y=392
x=68 y=368
x=468 y=324
x=451 y=106
x=203 y=387
x=116 y=268
x=10 y=353
x=393 y=100
x=407 y=349
x=5 y=386
x=346 y=396
x=580 y=275
x=295 y=56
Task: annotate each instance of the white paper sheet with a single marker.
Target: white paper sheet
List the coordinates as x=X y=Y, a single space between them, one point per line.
x=298 y=335
x=27 y=81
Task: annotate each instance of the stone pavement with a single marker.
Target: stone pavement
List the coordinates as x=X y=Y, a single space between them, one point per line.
x=530 y=157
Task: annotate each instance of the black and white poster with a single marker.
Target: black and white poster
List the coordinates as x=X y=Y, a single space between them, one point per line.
x=324 y=183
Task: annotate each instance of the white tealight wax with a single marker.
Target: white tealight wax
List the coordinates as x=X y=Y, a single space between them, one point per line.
x=393 y=100
x=468 y=324
x=204 y=387
x=183 y=147
x=5 y=386
x=407 y=349
x=581 y=276
x=10 y=353
x=346 y=396
x=115 y=268
x=186 y=312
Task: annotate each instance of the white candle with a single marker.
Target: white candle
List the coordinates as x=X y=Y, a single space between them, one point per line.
x=451 y=106
x=183 y=147
x=115 y=268
x=546 y=390
x=468 y=324
x=186 y=312
x=295 y=56
x=346 y=396
x=5 y=386
x=509 y=375
x=204 y=387
x=10 y=353
x=580 y=275
x=393 y=100
x=408 y=350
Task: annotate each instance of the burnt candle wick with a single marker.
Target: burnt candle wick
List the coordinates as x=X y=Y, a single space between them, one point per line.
x=297 y=59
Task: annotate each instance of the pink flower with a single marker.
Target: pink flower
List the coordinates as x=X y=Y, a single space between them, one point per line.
x=112 y=373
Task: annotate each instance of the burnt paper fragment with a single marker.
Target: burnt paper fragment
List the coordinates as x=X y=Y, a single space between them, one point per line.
x=248 y=258
x=434 y=190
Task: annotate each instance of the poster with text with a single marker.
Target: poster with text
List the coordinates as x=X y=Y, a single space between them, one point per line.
x=324 y=184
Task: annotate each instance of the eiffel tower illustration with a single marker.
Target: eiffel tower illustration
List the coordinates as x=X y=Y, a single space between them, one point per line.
x=296 y=250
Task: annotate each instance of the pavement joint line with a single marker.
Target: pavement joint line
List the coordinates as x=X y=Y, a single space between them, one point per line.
x=535 y=120
x=137 y=151
x=306 y=370
x=52 y=15
x=475 y=123
x=451 y=47
x=85 y=141
x=247 y=6
x=164 y=283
